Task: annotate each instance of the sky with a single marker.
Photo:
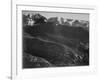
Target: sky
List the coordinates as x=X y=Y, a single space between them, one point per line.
x=65 y=15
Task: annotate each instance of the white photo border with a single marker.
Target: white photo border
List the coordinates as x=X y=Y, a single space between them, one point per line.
x=19 y=73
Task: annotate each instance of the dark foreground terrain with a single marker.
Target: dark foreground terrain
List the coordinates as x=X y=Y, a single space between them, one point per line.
x=47 y=45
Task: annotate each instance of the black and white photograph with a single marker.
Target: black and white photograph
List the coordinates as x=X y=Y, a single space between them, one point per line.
x=54 y=39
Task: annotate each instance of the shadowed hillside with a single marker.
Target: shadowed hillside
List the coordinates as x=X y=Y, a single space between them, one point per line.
x=58 y=44
x=77 y=33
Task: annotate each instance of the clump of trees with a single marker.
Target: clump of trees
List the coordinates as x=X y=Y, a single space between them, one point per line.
x=39 y=19
x=31 y=19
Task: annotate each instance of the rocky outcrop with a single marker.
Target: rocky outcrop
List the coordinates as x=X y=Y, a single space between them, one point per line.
x=30 y=61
